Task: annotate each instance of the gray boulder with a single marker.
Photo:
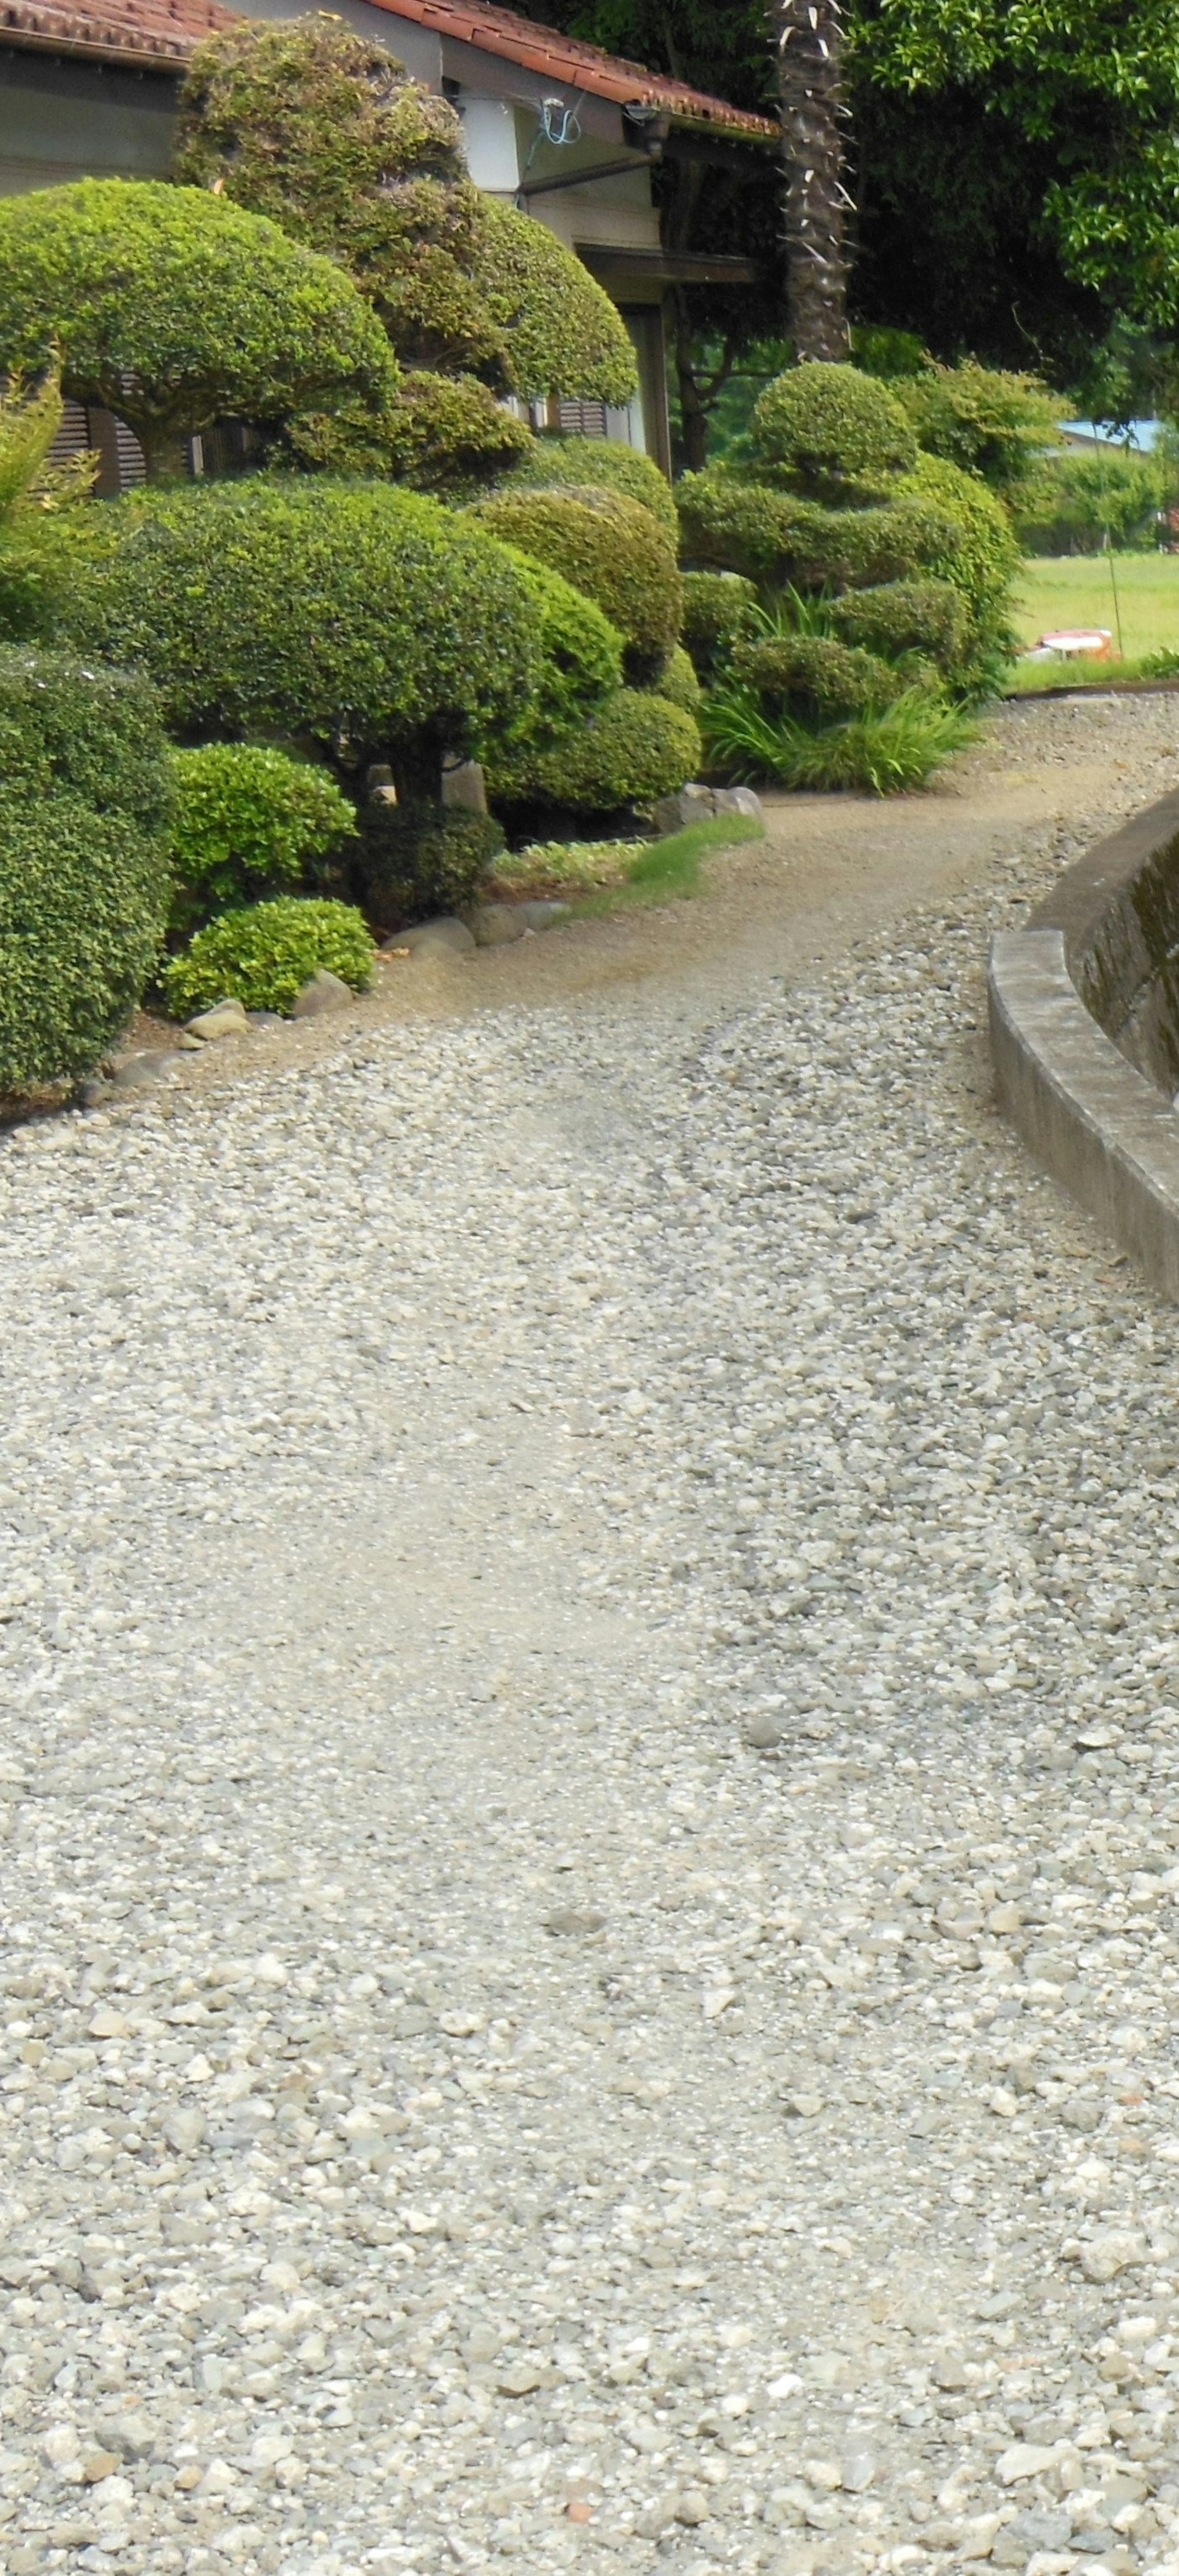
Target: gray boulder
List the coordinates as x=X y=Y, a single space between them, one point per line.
x=689 y=805
x=323 y=991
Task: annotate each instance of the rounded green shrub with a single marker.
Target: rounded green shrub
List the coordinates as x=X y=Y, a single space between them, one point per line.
x=978 y=552
x=416 y=861
x=559 y=329
x=717 y=606
x=677 y=681
x=580 y=654
x=774 y=537
x=925 y=617
x=831 y=432
x=553 y=462
x=83 y=896
x=607 y=546
x=824 y=677
x=357 y=617
x=69 y=728
x=637 y=748
x=263 y=955
x=450 y=434
x=247 y=821
x=173 y=308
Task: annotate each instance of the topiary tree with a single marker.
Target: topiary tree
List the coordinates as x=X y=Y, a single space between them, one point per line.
x=310 y=124
x=451 y=435
x=84 y=810
x=832 y=434
x=637 y=748
x=359 y=620
x=773 y=537
x=560 y=333
x=172 y=308
x=552 y=463
x=607 y=546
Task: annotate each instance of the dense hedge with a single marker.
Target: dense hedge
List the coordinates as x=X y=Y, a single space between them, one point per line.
x=554 y=462
x=353 y=617
x=85 y=801
x=607 y=546
x=560 y=331
x=637 y=748
x=247 y=821
x=310 y=124
x=417 y=861
x=928 y=617
x=264 y=955
x=173 y=308
x=826 y=677
x=831 y=433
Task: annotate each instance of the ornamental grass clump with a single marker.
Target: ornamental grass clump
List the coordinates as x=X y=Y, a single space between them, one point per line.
x=263 y=955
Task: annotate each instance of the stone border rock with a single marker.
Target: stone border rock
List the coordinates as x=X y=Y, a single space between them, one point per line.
x=1079 y=1026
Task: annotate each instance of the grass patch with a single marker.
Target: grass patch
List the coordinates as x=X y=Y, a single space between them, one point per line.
x=564 y=867
x=1075 y=590
x=667 y=870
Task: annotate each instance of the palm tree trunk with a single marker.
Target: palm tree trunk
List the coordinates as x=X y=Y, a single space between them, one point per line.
x=810 y=53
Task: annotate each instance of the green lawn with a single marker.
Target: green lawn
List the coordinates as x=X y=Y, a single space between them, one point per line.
x=1075 y=590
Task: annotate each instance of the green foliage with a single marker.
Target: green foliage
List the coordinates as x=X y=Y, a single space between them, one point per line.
x=1073 y=502
x=773 y=537
x=677 y=681
x=172 y=307
x=352 y=617
x=560 y=331
x=879 y=350
x=980 y=558
x=262 y=956
x=246 y=823
x=717 y=608
x=84 y=806
x=607 y=546
x=927 y=617
x=31 y=489
x=831 y=433
x=885 y=752
x=580 y=655
x=984 y=419
x=419 y=860
x=1163 y=665
x=310 y=124
x=813 y=676
x=552 y=462
x=451 y=434
x=637 y=748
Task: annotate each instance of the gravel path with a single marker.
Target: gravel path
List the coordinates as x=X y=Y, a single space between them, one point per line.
x=587 y=1617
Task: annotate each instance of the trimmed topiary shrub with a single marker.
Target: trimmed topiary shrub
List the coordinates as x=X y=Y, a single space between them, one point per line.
x=831 y=434
x=717 y=608
x=775 y=538
x=310 y=124
x=450 y=434
x=677 y=681
x=927 y=617
x=637 y=748
x=978 y=554
x=354 y=618
x=814 y=676
x=85 y=800
x=31 y=487
x=415 y=861
x=247 y=821
x=985 y=419
x=560 y=331
x=553 y=463
x=264 y=955
x=173 y=309
x=580 y=655
x=607 y=546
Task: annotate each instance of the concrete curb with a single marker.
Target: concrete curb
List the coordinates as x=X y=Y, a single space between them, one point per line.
x=1096 y=1124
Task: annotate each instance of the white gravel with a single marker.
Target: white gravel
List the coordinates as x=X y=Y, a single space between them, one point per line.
x=587 y=1620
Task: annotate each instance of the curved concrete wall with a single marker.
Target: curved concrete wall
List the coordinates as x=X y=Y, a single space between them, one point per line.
x=1084 y=1009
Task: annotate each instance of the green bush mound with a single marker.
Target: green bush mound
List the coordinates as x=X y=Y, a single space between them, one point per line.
x=983 y=419
x=775 y=538
x=637 y=748
x=264 y=954
x=559 y=329
x=580 y=654
x=247 y=822
x=85 y=801
x=928 y=617
x=450 y=434
x=978 y=553
x=607 y=546
x=717 y=607
x=677 y=681
x=175 y=309
x=418 y=860
x=831 y=433
x=349 y=618
x=584 y=462
x=826 y=678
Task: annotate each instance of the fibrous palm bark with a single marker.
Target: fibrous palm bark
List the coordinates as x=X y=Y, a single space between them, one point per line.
x=810 y=55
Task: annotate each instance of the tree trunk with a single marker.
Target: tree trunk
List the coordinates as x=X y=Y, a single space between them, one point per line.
x=810 y=51
x=165 y=452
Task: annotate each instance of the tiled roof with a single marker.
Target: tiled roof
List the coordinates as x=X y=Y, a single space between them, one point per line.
x=577 y=65
x=167 y=30
x=113 y=30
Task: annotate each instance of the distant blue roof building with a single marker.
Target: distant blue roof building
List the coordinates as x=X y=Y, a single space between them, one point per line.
x=1139 y=435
